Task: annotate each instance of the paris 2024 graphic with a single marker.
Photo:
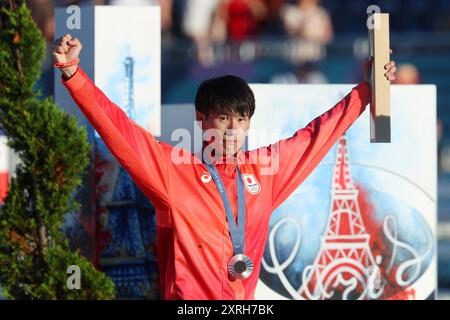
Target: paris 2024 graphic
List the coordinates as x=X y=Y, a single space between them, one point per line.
x=349 y=232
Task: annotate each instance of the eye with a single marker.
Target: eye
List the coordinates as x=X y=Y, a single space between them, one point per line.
x=223 y=118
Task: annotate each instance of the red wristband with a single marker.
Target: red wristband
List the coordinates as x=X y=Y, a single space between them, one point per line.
x=66 y=64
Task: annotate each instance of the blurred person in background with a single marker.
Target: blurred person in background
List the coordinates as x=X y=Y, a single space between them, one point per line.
x=309 y=27
x=237 y=20
x=273 y=24
x=308 y=20
x=407 y=73
x=196 y=25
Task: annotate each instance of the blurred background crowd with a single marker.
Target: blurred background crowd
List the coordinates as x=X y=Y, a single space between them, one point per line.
x=295 y=41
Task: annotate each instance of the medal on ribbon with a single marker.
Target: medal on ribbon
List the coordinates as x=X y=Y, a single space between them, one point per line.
x=240 y=266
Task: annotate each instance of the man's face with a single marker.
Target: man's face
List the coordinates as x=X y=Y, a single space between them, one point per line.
x=226 y=133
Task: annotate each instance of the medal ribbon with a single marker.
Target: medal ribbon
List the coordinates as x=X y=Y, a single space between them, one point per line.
x=236 y=232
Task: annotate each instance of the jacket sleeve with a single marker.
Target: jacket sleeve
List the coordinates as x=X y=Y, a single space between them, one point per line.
x=297 y=156
x=135 y=148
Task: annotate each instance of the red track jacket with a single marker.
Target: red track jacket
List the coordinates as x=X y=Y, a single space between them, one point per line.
x=193 y=240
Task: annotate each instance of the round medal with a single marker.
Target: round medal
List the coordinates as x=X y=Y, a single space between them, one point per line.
x=240 y=266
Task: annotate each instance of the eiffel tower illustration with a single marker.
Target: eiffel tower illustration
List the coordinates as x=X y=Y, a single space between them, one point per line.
x=130 y=220
x=345 y=263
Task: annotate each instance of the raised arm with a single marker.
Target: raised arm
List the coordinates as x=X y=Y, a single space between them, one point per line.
x=137 y=150
x=298 y=155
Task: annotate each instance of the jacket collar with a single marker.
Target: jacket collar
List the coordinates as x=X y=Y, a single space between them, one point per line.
x=225 y=164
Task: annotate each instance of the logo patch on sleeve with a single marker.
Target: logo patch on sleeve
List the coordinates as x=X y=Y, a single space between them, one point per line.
x=251 y=184
x=206 y=177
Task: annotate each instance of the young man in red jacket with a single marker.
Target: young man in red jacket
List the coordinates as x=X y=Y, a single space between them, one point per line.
x=212 y=209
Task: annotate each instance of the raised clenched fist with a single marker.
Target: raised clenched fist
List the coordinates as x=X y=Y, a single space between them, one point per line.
x=66 y=49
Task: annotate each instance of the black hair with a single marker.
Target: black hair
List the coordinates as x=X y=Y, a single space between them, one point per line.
x=225 y=95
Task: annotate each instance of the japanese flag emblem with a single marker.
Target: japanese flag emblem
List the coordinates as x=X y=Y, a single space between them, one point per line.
x=251 y=184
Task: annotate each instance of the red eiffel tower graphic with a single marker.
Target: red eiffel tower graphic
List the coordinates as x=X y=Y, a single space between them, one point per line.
x=342 y=267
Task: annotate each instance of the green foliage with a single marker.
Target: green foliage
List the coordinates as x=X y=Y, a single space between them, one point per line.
x=47 y=278
x=34 y=254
